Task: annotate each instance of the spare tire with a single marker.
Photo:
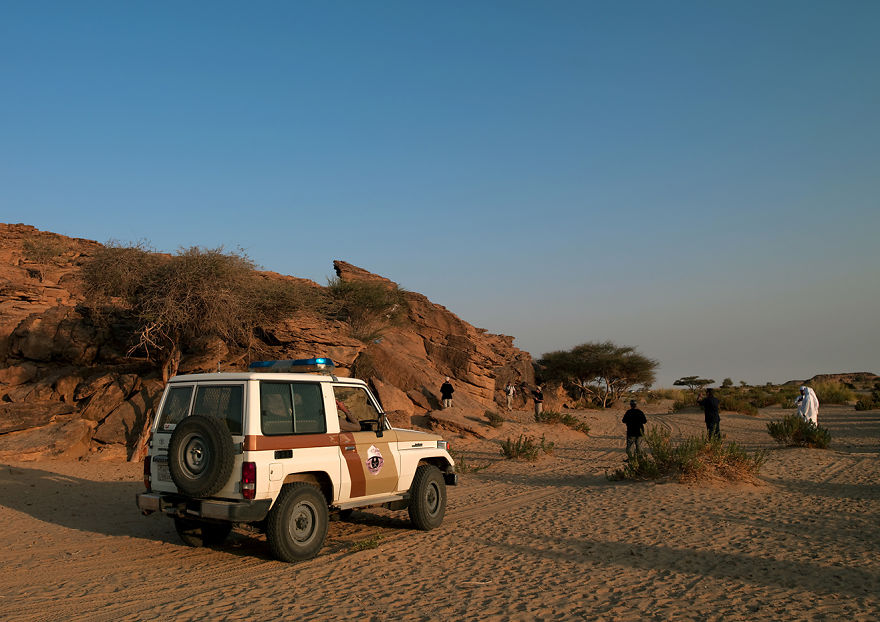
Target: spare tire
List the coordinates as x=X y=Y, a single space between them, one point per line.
x=200 y=456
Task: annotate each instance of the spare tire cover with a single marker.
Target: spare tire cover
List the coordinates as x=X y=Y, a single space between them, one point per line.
x=200 y=456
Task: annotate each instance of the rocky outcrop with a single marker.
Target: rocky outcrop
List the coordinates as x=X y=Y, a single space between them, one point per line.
x=68 y=389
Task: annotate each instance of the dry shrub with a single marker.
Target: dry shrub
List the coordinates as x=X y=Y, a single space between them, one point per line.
x=495 y=420
x=525 y=448
x=369 y=308
x=691 y=459
x=795 y=431
x=177 y=301
x=833 y=393
x=553 y=416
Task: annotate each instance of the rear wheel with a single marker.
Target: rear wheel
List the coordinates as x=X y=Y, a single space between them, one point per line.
x=297 y=524
x=198 y=533
x=427 y=498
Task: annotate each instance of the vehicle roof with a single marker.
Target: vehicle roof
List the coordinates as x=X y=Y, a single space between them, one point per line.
x=240 y=376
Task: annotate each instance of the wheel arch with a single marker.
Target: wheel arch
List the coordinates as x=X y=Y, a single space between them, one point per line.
x=320 y=479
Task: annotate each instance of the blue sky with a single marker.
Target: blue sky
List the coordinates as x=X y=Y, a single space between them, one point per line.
x=699 y=180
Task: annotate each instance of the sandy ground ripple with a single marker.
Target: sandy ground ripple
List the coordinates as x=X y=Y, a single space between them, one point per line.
x=548 y=540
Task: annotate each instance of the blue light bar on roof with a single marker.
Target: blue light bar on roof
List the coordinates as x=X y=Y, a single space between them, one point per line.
x=299 y=365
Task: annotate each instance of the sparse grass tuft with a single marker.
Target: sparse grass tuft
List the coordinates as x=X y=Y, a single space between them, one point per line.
x=525 y=448
x=691 y=459
x=495 y=420
x=364 y=545
x=552 y=416
x=795 y=431
x=463 y=466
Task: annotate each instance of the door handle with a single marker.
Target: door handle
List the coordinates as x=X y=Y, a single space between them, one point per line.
x=350 y=448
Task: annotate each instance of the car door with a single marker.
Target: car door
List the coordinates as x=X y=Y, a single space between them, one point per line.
x=372 y=461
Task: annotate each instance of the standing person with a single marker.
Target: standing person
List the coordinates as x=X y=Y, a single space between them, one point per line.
x=712 y=411
x=509 y=391
x=808 y=405
x=538 y=395
x=635 y=421
x=446 y=392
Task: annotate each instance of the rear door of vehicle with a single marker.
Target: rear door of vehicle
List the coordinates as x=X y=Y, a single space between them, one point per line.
x=222 y=400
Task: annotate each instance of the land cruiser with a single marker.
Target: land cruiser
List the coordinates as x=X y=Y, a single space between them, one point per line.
x=281 y=447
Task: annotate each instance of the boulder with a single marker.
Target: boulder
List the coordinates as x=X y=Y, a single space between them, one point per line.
x=69 y=438
x=105 y=401
x=18 y=374
x=15 y=417
x=392 y=398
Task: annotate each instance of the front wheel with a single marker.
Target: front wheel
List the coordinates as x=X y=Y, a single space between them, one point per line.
x=198 y=533
x=297 y=525
x=427 y=498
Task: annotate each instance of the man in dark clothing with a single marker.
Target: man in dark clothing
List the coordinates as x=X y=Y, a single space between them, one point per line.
x=446 y=392
x=712 y=411
x=635 y=421
x=538 y=396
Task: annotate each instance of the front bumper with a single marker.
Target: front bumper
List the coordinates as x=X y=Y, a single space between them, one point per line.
x=186 y=507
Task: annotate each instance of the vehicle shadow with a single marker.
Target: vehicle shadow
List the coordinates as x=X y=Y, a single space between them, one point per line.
x=106 y=508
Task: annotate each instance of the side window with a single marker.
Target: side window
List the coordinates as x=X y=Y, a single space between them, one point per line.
x=175 y=408
x=355 y=403
x=223 y=401
x=308 y=408
x=291 y=408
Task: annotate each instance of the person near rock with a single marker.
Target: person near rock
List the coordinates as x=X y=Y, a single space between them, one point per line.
x=808 y=405
x=446 y=392
x=635 y=421
x=712 y=412
x=509 y=392
x=538 y=396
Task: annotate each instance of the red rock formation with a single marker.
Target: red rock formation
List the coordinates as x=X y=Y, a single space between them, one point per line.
x=66 y=387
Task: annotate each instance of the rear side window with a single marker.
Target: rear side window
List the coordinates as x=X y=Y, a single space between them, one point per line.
x=176 y=407
x=222 y=401
x=291 y=408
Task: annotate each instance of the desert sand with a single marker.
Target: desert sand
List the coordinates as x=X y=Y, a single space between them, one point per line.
x=547 y=540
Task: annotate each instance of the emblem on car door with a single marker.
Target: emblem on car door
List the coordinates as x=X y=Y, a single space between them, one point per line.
x=374 y=460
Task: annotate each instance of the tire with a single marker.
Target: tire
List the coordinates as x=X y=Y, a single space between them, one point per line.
x=197 y=534
x=427 y=498
x=200 y=456
x=297 y=523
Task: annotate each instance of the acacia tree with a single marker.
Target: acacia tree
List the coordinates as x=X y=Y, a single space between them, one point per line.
x=694 y=383
x=600 y=372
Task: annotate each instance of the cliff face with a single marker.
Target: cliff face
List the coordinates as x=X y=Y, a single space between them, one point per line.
x=67 y=387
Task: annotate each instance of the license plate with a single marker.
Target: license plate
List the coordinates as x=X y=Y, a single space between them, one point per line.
x=163 y=473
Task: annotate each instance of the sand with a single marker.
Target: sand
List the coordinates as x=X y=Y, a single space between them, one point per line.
x=548 y=540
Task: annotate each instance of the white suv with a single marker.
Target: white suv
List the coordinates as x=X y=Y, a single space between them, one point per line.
x=280 y=449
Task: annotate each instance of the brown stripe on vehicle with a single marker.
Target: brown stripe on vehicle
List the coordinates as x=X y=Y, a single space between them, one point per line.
x=290 y=441
x=353 y=462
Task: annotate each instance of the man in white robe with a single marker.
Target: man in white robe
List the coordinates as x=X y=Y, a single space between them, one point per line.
x=808 y=405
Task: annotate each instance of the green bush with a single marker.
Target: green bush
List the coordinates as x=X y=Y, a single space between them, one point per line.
x=795 y=431
x=869 y=402
x=786 y=397
x=495 y=420
x=525 y=448
x=736 y=404
x=553 y=416
x=690 y=459
x=833 y=393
